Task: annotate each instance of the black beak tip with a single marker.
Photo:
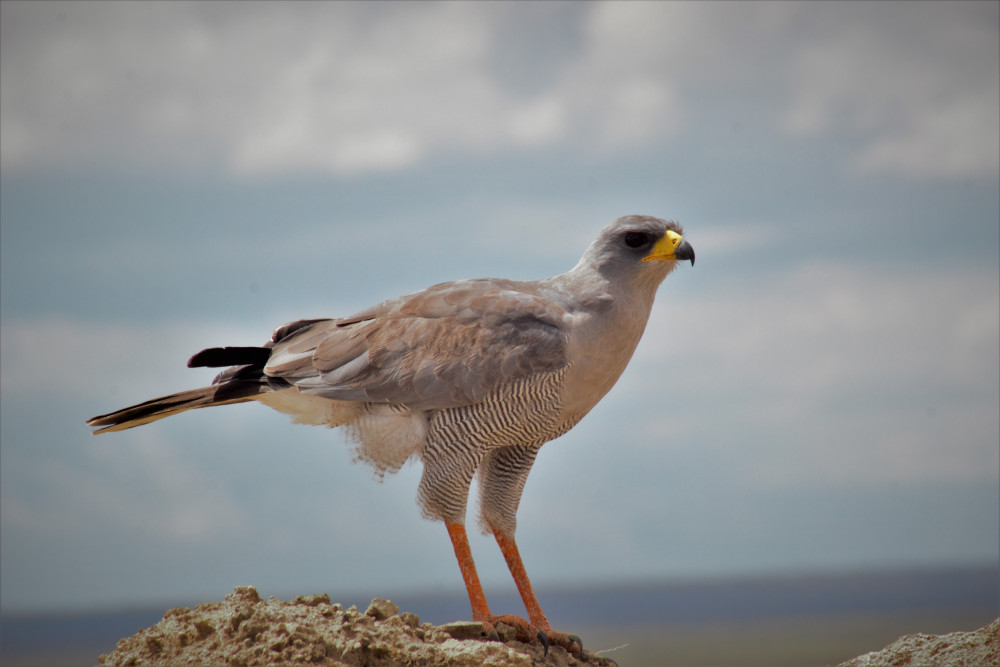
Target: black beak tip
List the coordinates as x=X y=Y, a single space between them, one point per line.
x=685 y=251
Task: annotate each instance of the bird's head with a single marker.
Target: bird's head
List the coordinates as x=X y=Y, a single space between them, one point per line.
x=638 y=249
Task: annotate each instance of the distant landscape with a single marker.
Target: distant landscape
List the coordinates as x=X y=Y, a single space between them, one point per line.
x=780 y=621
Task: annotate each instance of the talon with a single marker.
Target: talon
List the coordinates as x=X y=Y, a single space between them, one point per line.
x=494 y=636
x=542 y=637
x=578 y=641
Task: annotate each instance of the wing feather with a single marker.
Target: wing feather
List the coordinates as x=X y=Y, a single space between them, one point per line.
x=449 y=345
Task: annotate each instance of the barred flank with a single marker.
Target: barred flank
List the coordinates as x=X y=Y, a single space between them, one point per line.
x=519 y=417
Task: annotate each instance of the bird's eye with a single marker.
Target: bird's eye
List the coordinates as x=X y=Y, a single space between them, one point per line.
x=636 y=239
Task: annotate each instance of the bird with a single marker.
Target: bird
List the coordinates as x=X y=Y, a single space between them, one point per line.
x=469 y=377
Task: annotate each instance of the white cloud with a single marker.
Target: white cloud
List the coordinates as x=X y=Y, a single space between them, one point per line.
x=836 y=375
x=917 y=83
x=718 y=239
x=539 y=122
x=640 y=60
x=337 y=87
x=65 y=357
x=183 y=501
x=956 y=138
x=355 y=87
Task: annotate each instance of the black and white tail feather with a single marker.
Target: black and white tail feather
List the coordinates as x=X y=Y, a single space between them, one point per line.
x=245 y=381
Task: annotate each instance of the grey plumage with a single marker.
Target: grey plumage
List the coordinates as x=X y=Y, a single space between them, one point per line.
x=472 y=376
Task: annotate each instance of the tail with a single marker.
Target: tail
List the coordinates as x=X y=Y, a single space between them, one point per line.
x=158 y=408
x=235 y=385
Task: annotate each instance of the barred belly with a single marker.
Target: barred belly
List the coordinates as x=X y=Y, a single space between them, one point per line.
x=521 y=415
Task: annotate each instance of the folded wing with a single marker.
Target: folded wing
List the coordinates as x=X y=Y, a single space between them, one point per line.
x=449 y=345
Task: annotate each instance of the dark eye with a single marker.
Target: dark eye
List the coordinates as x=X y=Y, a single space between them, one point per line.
x=636 y=239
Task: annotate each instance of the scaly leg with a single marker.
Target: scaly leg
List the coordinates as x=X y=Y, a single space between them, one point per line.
x=538 y=625
x=536 y=617
x=480 y=610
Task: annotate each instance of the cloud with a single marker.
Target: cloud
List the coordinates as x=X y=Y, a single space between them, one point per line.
x=916 y=83
x=336 y=87
x=746 y=238
x=955 y=139
x=57 y=358
x=833 y=375
x=329 y=87
x=166 y=498
x=348 y=88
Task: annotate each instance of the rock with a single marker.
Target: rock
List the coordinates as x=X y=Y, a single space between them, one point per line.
x=246 y=630
x=462 y=629
x=381 y=609
x=957 y=649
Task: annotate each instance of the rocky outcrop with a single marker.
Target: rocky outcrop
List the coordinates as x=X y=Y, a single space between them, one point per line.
x=980 y=648
x=247 y=630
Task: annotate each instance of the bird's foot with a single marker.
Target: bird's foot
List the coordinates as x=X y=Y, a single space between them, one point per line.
x=526 y=632
x=561 y=639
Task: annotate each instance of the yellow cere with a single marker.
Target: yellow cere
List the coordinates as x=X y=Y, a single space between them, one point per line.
x=664 y=248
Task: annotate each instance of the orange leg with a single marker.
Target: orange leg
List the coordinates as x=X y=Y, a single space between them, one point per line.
x=538 y=624
x=513 y=557
x=480 y=610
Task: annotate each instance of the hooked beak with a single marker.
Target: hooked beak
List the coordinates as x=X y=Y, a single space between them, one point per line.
x=684 y=251
x=671 y=246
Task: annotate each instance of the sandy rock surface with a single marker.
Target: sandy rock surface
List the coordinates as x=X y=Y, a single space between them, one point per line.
x=248 y=630
x=980 y=648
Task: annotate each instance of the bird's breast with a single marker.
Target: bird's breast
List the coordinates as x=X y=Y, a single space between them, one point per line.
x=599 y=350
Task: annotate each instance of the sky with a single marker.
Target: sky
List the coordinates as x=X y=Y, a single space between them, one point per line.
x=821 y=393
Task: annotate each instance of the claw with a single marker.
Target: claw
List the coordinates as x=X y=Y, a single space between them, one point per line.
x=542 y=637
x=494 y=636
x=578 y=641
